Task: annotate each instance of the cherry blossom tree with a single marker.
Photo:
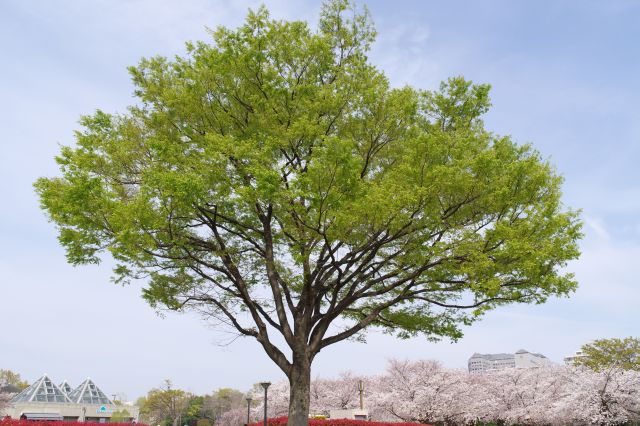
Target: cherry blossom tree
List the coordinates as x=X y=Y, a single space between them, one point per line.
x=519 y=396
x=426 y=392
x=4 y=400
x=325 y=395
x=233 y=417
x=422 y=392
x=340 y=393
x=608 y=397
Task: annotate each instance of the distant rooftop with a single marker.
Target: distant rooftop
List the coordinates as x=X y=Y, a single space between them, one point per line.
x=88 y=393
x=65 y=387
x=42 y=390
x=493 y=357
x=524 y=351
x=503 y=356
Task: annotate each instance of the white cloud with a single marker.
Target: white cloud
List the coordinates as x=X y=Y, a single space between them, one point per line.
x=596 y=226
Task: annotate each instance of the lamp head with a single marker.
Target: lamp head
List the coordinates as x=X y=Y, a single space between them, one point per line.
x=265 y=385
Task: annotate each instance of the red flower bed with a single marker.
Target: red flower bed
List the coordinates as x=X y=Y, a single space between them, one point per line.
x=282 y=421
x=12 y=422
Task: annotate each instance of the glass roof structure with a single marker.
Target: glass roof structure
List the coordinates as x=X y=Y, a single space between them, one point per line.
x=65 y=387
x=42 y=390
x=88 y=393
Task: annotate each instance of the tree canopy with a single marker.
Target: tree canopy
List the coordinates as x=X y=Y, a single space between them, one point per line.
x=165 y=405
x=275 y=181
x=602 y=354
x=8 y=377
x=222 y=401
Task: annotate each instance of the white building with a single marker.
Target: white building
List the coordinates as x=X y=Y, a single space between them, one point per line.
x=526 y=359
x=569 y=360
x=480 y=363
x=44 y=400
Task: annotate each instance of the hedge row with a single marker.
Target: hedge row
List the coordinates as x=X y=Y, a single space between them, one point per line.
x=282 y=421
x=11 y=422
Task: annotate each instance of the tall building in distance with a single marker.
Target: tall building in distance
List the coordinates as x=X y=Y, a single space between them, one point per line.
x=480 y=363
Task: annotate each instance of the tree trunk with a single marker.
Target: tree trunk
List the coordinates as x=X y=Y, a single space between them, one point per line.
x=299 y=391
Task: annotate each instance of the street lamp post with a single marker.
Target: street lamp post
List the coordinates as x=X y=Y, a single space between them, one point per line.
x=265 y=385
x=248 y=409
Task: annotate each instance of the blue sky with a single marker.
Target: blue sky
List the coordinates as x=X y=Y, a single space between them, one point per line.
x=564 y=77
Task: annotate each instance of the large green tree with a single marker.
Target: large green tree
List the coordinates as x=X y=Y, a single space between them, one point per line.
x=602 y=354
x=274 y=181
x=166 y=405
